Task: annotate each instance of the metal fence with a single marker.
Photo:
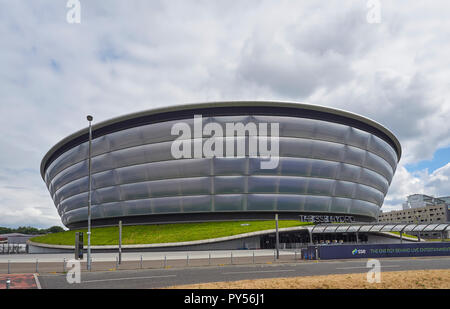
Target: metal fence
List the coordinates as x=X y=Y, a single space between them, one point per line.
x=7 y=248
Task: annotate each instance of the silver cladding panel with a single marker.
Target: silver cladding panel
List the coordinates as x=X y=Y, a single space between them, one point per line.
x=323 y=167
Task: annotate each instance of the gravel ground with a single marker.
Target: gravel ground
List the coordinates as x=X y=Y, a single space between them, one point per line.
x=417 y=279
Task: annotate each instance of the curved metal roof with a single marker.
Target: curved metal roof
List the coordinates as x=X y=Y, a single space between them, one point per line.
x=276 y=107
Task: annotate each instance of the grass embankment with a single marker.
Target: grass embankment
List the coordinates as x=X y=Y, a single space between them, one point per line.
x=163 y=233
x=411 y=279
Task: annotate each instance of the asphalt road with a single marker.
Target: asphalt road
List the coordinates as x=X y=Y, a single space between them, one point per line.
x=158 y=278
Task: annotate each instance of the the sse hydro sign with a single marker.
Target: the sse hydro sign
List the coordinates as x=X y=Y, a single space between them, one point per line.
x=383 y=250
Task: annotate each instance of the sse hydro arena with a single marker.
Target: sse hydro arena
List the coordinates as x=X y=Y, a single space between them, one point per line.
x=330 y=162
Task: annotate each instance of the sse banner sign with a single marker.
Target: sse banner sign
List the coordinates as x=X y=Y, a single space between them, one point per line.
x=383 y=250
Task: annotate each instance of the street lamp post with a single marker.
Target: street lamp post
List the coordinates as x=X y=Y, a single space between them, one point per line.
x=89 y=118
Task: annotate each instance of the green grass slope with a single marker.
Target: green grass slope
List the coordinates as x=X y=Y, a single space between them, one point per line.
x=164 y=233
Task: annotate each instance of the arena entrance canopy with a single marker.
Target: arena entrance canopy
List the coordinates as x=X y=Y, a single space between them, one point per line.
x=401 y=228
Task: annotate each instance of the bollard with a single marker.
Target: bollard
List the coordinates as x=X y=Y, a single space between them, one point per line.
x=295 y=255
x=165 y=261
x=231 y=258
x=141 y=261
x=37 y=266
x=253 y=257
x=90 y=268
x=117 y=262
x=8 y=283
x=64 y=265
x=9 y=268
x=209 y=259
x=187 y=259
x=274 y=255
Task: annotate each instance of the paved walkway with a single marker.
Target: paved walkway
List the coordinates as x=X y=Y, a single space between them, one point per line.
x=57 y=263
x=18 y=281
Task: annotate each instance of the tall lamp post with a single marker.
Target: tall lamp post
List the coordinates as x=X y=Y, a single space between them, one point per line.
x=89 y=118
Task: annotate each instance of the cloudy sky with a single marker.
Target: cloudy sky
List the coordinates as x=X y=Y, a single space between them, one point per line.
x=127 y=56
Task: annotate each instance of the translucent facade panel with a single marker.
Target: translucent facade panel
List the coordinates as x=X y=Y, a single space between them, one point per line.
x=71 y=189
x=129 y=156
x=229 y=202
x=113 y=210
x=161 y=131
x=137 y=207
x=293 y=147
x=379 y=165
x=125 y=138
x=103 y=162
x=317 y=203
x=340 y=205
x=358 y=138
x=354 y=155
x=223 y=120
x=326 y=169
x=345 y=189
x=293 y=185
x=349 y=172
x=67 y=159
x=261 y=202
x=290 y=203
x=166 y=205
x=72 y=173
x=296 y=166
x=327 y=151
x=179 y=168
x=111 y=194
x=75 y=215
x=369 y=194
x=100 y=145
x=364 y=208
x=230 y=166
x=133 y=191
x=134 y=173
x=374 y=179
x=104 y=179
x=331 y=131
x=182 y=186
x=191 y=204
x=74 y=202
x=320 y=186
x=254 y=167
x=291 y=127
x=381 y=148
x=229 y=184
x=263 y=184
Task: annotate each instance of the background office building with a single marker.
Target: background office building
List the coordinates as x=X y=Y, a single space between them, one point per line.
x=331 y=162
x=423 y=209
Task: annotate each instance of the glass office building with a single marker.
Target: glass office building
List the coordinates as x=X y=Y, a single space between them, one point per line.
x=331 y=162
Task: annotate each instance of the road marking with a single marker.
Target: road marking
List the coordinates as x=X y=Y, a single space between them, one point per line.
x=365 y=267
x=258 y=272
x=38 y=284
x=132 y=278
